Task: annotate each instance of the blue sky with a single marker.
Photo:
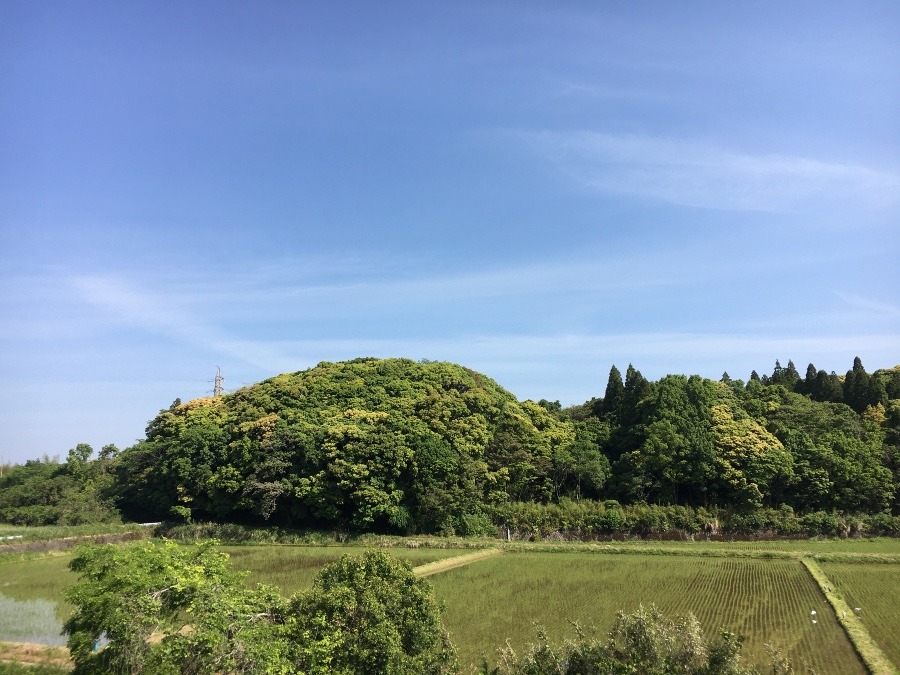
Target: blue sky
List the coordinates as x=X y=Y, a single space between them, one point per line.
x=534 y=190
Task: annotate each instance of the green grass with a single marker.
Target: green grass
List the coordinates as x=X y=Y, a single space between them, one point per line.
x=46 y=533
x=875 y=589
x=769 y=601
x=43 y=577
x=831 y=550
x=292 y=568
x=32 y=598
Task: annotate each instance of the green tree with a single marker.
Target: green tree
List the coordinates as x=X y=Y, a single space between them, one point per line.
x=808 y=385
x=360 y=484
x=79 y=455
x=753 y=465
x=368 y=615
x=637 y=388
x=856 y=386
x=163 y=608
x=609 y=404
x=580 y=469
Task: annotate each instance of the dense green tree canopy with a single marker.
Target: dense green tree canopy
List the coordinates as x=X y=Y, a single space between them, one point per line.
x=368 y=444
x=403 y=446
x=49 y=492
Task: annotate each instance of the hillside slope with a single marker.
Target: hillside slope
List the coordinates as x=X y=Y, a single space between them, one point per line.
x=374 y=444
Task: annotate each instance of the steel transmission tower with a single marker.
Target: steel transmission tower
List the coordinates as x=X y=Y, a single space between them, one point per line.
x=218 y=388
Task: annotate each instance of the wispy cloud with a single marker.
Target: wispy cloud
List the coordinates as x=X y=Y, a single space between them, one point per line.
x=122 y=301
x=871 y=305
x=245 y=319
x=703 y=175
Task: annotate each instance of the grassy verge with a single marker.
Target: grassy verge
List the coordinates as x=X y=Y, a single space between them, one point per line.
x=10 y=535
x=870 y=653
x=706 y=550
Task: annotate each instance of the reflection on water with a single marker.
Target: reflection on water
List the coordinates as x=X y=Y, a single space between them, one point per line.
x=30 y=621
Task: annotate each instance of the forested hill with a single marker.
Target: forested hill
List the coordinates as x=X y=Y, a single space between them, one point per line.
x=367 y=444
x=404 y=446
x=399 y=445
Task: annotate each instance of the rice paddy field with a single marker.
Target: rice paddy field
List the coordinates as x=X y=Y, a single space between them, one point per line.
x=32 y=599
x=875 y=589
x=769 y=601
x=756 y=589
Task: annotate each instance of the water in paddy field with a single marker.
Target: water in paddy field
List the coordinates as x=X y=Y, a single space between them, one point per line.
x=30 y=621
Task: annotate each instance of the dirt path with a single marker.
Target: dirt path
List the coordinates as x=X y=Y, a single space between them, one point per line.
x=452 y=563
x=24 y=652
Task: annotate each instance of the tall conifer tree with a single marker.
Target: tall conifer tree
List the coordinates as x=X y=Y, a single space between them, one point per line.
x=615 y=390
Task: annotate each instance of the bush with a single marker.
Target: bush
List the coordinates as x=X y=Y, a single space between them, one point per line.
x=368 y=614
x=884 y=524
x=645 y=642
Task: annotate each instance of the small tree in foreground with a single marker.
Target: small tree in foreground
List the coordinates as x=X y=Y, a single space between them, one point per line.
x=369 y=614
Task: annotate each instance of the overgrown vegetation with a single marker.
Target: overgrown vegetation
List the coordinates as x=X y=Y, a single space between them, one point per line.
x=757 y=589
x=48 y=492
x=397 y=446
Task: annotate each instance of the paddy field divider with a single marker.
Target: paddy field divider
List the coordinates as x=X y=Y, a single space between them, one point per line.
x=875 y=661
x=438 y=566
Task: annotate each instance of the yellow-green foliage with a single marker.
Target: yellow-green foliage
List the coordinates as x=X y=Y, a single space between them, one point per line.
x=749 y=457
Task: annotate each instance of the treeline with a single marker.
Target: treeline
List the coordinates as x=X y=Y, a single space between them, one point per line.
x=394 y=445
x=593 y=520
x=49 y=492
x=858 y=389
x=766 y=443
